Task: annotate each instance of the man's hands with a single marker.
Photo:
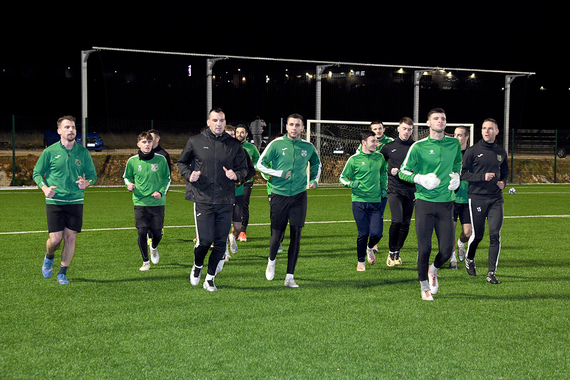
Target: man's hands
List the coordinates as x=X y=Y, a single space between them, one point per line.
x=429 y=181
x=82 y=182
x=230 y=174
x=49 y=191
x=455 y=182
x=490 y=176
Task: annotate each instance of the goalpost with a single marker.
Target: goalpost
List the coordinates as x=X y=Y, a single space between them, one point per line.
x=337 y=140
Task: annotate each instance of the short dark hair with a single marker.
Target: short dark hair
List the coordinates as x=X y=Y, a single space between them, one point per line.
x=366 y=134
x=465 y=128
x=242 y=126
x=154 y=132
x=435 y=110
x=145 y=136
x=407 y=120
x=296 y=116
x=216 y=110
x=491 y=120
x=67 y=117
x=376 y=121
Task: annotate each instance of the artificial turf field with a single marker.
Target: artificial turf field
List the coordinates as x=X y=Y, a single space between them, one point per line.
x=115 y=322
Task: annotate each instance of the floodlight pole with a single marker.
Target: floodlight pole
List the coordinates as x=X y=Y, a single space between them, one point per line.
x=508 y=80
x=318 y=102
x=210 y=62
x=417 y=77
x=84 y=56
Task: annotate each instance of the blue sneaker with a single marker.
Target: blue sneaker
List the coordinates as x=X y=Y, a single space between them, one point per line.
x=62 y=279
x=47 y=268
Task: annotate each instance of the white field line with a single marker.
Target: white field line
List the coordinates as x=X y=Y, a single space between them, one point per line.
x=257 y=224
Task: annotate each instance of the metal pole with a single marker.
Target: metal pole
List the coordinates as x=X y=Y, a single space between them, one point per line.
x=210 y=62
x=417 y=76
x=13 y=150
x=84 y=114
x=318 y=103
x=508 y=80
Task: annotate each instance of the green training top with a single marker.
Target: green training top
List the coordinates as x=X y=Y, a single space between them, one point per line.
x=428 y=155
x=283 y=155
x=148 y=176
x=60 y=167
x=366 y=175
x=461 y=193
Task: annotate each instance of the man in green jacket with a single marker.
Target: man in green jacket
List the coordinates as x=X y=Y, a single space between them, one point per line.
x=433 y=164
x=147 y=176
x=63 y=172
x=365 y=174
x=285 y=160
x=241 y=135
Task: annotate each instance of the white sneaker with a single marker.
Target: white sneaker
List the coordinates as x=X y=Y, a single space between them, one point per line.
x=370 y=256
x=209 y=286
x=433 y=283
x=426 y=296
x=460 y=250
x=270 y=271
x=290 y=282
x=145 y=266
x=233 y=243
x=154 y=257
x=227 y=255
x=195 y=275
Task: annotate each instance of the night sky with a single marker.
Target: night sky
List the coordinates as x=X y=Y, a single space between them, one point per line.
x=471 y=36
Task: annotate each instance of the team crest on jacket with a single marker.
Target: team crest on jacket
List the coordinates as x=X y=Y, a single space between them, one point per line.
x=77 y=162
x=499 y=157
x=154 y=167
x=304 y=153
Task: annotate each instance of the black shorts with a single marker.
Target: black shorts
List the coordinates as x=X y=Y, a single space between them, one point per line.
x=285 y=209
x=238 y=209
x=149 y=216
x=461 y=211
x=60 y=217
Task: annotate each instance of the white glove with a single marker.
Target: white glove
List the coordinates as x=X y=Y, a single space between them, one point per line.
x=429 y=181
x=454 y=183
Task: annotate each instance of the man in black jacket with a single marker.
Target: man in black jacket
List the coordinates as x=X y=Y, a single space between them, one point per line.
x=486 y=169
x=400 y=192
x=212 y=162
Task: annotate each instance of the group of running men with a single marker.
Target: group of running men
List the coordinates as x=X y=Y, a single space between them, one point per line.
x=430 y=175
x=442 y=180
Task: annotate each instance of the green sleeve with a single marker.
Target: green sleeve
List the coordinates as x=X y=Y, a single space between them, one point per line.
x=40 y=169
x=347 y=176
x=315 y=167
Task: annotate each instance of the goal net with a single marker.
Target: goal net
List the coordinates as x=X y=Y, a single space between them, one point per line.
x=337 y=140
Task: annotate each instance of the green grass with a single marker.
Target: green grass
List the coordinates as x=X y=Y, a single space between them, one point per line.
x=115 y=322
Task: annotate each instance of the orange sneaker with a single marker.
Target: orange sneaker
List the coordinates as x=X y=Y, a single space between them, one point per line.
x=242 y=236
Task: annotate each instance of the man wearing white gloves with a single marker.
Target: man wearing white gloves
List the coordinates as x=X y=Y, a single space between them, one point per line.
x=433 y=164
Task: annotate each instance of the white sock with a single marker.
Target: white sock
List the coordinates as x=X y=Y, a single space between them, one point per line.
x=424 y=285
x=433 y=269
x=453 y=257
x=460 y=243
x=271 y=261
x=288 y=276
x=209 y=277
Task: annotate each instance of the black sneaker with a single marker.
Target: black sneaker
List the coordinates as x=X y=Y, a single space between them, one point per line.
x=470 y=266
x=492 y=279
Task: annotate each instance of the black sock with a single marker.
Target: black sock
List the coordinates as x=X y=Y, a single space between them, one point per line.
x=62 y=270
x=50 y=257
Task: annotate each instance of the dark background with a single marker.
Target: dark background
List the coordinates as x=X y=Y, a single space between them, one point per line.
x=42 y=44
